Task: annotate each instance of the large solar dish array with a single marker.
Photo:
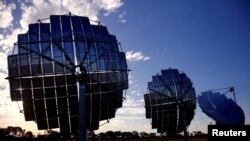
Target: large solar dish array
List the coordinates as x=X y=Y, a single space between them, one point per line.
x=170 y=101
x=50 y=62
x=222 y=109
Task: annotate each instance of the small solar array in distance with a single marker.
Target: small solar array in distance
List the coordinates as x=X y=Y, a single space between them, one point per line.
x=42 y=73
x=170 y=101
x=223 y=110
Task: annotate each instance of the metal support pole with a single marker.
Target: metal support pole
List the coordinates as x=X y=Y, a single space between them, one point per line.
x=231 y=89
x=234 y=97
x=81 y=125
x=186 y=136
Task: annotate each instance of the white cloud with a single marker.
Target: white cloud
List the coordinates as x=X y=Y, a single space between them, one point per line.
x=78 y=7
x=7 y=43
x=128 y=119
x=146 y=58
x=136 y=56
x=1 y=36
x=135 y=93
x=3 y=60
x=131 y=117
x=132 y=102
x=121 y=123
x=6 y=14
x=132 y=111
x=3 y=74
x=108 y=5
x=130 y=78
x=122 y=17
x=40 y=9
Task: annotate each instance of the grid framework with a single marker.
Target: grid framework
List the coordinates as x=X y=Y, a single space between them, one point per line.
x=43 y=73
x=170 y=101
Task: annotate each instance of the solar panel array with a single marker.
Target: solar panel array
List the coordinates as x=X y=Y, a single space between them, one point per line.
x=223 y=110
x=170 y=99
x=42 y=73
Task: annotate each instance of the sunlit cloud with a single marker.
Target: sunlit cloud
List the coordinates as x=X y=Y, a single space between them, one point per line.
x=3 y=72
x=127 y=123
x=132 y=102
x=34 y=10
x=129 y=117
x=134 y=93
x=136 y=56
x=6 y=16
x=7 y=43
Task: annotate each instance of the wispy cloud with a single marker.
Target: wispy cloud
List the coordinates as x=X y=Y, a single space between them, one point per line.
x=81 y=8
x=122 y=17
x=109 y=6
x=35 y=10
x=132 y=102
x=136 y=56
x=6 y=16
x=130 y=78
x=133 y=105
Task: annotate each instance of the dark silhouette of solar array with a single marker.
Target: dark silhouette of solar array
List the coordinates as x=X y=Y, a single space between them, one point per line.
x=223 y=110
x=170 y=101
x=69 y=74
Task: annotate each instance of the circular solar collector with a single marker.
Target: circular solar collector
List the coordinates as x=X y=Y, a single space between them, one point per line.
x=220 y=108
x=55 y=63
x=170 y=101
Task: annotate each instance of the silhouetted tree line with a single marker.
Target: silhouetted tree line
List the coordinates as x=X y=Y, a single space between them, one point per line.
x=118 y=135
x=17 y=133
x=198 y=134
x=12 y=133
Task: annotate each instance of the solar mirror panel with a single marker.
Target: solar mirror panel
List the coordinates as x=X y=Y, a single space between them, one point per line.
x=170 y=101
x=54 y=59
x=220 y=108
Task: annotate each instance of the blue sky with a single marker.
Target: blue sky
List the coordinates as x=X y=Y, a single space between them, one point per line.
x=207 y=39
